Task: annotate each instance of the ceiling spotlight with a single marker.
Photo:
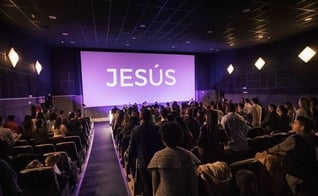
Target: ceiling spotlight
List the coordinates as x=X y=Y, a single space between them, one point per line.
x=260 y=36
x=65 y=34
x=52 y=17
x=127 y=44
x=14 y=57
x=188 y=42
x=230 y=69
x=209 y=32
x=38 y=67
x=246 y=10
x=308 y=19
x=259 y=63
x=307 y=54
x=134 y=38
x=173 y=47
x=142 y=26
x=72 y=42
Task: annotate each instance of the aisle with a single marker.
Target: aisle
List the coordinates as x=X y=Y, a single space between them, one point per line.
x=103 y=174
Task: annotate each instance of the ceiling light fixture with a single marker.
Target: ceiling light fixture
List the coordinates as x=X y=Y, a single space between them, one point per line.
x=72 y=42
x=52 y=17
x=308 y=19
x=14 y=57
x=307 y=54
x=188 y=42
x=38 y=67
x=210 y=31
x=142 y=26
x=230 y=69
x=65 y=34
x=259 y=63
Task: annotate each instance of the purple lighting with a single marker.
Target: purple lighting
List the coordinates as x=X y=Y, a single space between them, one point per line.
x=111 y=78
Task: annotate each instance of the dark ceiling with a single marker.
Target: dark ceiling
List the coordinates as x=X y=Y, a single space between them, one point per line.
x=195 y=26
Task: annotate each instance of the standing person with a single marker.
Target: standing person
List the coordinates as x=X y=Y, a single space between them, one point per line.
x=173 y=168
x=209 y=142
x=236 y=128
x=256 y=113
x=144 y=142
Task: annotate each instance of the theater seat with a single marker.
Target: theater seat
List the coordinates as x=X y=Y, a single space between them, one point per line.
x=20 y=161
x=41 y=181
x=43 y=148
x=21 y=149
x=70 y=148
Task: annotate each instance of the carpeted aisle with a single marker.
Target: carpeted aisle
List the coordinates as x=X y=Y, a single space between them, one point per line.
x=103 y=173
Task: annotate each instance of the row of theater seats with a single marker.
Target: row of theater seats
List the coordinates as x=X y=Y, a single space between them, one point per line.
x=44 y=180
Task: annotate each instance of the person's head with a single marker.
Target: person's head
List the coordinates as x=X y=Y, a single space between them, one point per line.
x=11 y=117
x=164 y=113
x=304 y=103
x=211 y=118
x=272 y=107
x=230 y=107
x=255 y=100
x=246 y=181
x=281 y=110
x=240 y=107
x=302 y=124
x=171 y=134
x=146 y=115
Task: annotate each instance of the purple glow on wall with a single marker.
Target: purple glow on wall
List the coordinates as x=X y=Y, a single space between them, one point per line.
x=111 y=78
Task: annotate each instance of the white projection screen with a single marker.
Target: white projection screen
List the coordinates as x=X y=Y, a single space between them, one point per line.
x=117 y=78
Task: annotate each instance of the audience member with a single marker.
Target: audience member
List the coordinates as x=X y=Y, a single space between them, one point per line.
x=40 y=133
x=209 y=143
x=256 y=113
x=59 y=129
x=8 y=181
x=298 y=153
x=6 y=134
x=173 y=168
x=144 y=142
x=304 y=108
x=12 y=124
x=28 y=126
x=272 y=121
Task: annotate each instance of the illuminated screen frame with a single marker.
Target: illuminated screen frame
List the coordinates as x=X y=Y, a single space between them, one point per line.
x=118 y=78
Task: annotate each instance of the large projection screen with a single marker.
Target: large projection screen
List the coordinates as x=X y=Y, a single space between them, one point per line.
x=117 y=78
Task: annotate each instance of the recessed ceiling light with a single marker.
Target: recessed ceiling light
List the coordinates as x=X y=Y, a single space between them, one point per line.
x=230 y=69
x=134 y=38
x=72 y=42
x=211 y=49
x=209 y=32
x=65 y=34
x=308 y=19
x=173 y=47
x=188 y=42
x=52 y=17
x=259 y=63
x=307 y=54
x=32 y=15
x=128 y=44
x=246 y=10
x=142 y=26
x=232 y=44
x=62 y=42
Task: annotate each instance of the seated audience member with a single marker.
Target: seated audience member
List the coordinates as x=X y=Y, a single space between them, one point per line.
x=173 y=168
x=59 y=129
x=8 y=181
x=272 y=121
x=28 y=127
x=12 y=124
x=34 y=164
x=247 y=183
x=284 y=118
x=74 y=126
x=216 y=178
x=40 y=133
x=236 y=128
x=298 y=154
x=6 y=134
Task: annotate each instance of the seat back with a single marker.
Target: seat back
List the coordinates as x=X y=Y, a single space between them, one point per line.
x=21 y=142
x=21 y=149
x=70 y=148
x=43 y=148
x=20 y=161
x=76 y=140
x=39 y=181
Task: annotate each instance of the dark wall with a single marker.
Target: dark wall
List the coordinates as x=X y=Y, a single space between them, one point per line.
x=23 y=80
x=66 y=71
x=283 y=73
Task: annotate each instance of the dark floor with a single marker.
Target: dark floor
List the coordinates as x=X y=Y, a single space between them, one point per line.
x=103 y=173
